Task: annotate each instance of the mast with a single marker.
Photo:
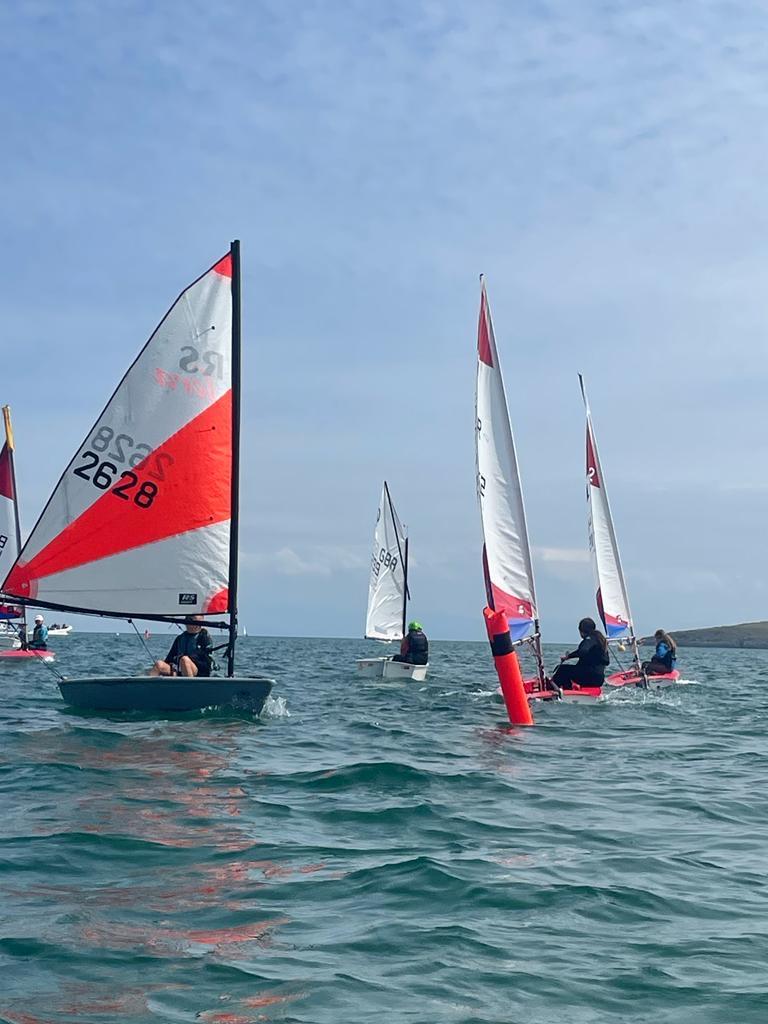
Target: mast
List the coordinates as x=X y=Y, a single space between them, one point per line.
x=405 y=588
x=235 y=521
x=17 y=518
x=403 y=555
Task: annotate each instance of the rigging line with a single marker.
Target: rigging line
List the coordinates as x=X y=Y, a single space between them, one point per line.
x=143 y=641
x=40 y=656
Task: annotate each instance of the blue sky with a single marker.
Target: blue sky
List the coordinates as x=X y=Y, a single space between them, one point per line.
x=603 y=163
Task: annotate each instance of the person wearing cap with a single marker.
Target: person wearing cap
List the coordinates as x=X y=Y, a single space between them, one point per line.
x=191 y=653
x=39 y=641
x=414 y=649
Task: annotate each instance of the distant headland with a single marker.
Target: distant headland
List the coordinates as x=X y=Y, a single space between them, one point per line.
x=743 y=634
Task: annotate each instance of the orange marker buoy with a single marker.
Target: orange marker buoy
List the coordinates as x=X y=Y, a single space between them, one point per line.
x=507 y=668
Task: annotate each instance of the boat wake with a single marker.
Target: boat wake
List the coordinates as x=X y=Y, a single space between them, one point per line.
x=275 y=707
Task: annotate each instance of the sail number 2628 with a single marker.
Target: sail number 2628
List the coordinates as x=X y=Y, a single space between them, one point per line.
x=101 y=467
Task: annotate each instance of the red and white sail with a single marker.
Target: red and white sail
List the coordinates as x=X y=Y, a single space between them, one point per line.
x=612 y=600
x=388 y=586
x=507 y=553
x=8 y=530
x=139 y=523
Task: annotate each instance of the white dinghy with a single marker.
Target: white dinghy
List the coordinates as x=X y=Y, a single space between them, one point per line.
x=388 y=595
x=144 y=521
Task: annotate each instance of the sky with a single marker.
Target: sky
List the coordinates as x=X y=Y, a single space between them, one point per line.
x=602 y=163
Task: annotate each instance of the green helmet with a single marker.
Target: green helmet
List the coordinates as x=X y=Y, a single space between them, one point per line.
x=414 y=625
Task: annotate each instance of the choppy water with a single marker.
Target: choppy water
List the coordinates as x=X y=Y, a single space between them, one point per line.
x=382 y=852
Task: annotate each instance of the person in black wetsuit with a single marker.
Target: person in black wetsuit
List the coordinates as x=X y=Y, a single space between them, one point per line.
x=592 y=654
x=190 y=653
x=414 y=649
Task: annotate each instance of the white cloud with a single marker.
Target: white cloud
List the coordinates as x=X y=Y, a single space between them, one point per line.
x=564 y=556
x=315 y=560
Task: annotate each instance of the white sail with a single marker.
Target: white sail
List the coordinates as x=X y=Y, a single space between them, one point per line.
x=507 y=553
x=9 y=549
x=387 y=590
x=140 y=521
x=612 y=600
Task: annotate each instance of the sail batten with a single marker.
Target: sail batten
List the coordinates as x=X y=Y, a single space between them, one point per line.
x=507 y=560
x=388 y=586
x=139 y=524
x=612 y=597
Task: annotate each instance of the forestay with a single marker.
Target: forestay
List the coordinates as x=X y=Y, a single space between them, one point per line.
x=507 y=554
x=387 y=590
x=139 y=523
x=612 y=600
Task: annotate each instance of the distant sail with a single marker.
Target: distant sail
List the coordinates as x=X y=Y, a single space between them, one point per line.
x=387 y=590
x=612 y=600
x=507 y=554
x=140 y=521
x=8 y=549
x=9 y=524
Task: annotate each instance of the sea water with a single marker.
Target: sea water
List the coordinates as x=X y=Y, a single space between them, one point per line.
x=379 y=852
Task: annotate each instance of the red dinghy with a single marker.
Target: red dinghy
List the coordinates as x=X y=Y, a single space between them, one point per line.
x=612 y=597
x=21 y=656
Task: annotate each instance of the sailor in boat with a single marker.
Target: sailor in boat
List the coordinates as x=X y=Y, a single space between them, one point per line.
x=664 y=657
x=190 y=653
x=592 y=655
x=39 y=641
x=414 y=647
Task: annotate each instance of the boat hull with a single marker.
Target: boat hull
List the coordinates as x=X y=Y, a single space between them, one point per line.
x=385 y=668
x=634 y=678
x=159 y=693
x=20 y=657
x=583 y=695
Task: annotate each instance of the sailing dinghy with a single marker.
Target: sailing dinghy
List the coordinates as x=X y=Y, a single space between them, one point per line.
x=388 y=595
x=144 y=520
x=612 y=597
x=12 y=619
x=507 y=563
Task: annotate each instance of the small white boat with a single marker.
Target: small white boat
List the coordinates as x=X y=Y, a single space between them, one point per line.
x=385 y=668
x=9 y=637
x=59 y=630
x=388 y=595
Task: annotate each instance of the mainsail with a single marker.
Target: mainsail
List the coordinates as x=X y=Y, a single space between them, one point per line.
x=10 y=531
x=140 y=523
x=388 y=587
x=612 y=600
x=506 y=553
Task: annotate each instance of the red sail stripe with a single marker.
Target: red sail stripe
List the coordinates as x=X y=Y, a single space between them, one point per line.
x=195 y=493
x=483 y=332
x=592 y=472
x=224 y=266
x=6 y=477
